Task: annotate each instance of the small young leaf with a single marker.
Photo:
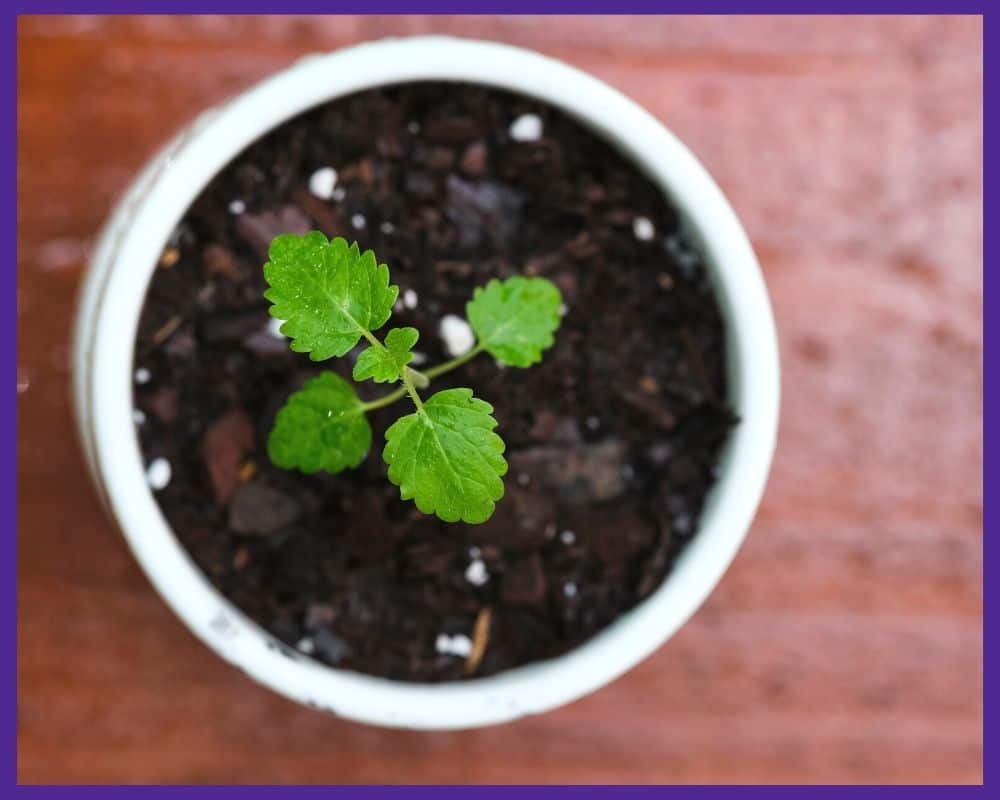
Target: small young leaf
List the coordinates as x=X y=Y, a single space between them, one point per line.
x=329 y=293
x=385 y=364
x=515 y=319
x=322 y=426
x=447 y=458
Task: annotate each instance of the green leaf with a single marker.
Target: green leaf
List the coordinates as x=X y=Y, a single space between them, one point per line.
x=322 y=426
x=515 y=319
x=386 y=364
x=447 y=458
x=329 y=293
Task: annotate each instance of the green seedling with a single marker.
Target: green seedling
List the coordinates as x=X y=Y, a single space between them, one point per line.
x=445 y=455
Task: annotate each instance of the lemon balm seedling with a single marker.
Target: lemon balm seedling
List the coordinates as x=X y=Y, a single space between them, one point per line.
x=445 y=455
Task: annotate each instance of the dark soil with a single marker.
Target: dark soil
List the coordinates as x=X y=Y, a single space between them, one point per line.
x=612 y=439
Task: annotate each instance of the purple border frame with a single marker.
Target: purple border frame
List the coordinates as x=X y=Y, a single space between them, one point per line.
x=8 y=352
x=503 y=7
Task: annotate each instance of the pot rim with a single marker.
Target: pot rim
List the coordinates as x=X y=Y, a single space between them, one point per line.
x=113 y=295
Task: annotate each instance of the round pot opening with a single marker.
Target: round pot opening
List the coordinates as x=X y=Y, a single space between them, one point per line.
x=106 y=391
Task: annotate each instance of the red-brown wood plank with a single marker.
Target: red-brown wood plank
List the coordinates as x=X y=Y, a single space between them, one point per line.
x=845 y=643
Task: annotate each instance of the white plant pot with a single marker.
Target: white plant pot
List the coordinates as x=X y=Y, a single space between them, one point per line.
x=112 y=298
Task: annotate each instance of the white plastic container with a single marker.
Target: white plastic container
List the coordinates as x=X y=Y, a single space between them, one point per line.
x=112 y=299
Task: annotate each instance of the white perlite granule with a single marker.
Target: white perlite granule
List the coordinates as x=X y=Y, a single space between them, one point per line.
x=322 y=182
x=476 y=573
x=643 y=229
x=237 y=207
x=458 y=645
x=306 y=645
x=158 y=474
x=142 y=376
x=274 y=327
x=457 y=335
x=526 y=128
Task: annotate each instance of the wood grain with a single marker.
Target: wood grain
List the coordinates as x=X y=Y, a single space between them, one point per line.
x=845 y=643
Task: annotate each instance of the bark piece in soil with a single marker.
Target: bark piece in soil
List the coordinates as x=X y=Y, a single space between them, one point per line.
x=259 y=509
x=227 y=442
x=524 y=583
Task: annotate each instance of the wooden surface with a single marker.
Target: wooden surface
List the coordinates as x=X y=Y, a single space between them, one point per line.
x=845 y=643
